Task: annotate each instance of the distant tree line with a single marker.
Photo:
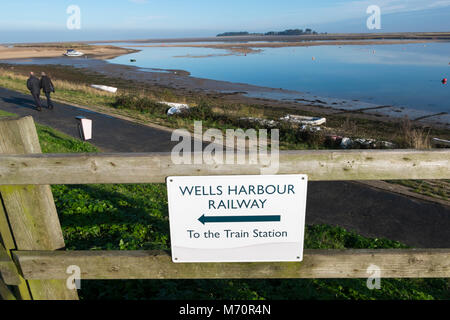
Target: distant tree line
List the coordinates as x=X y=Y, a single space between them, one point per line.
x=289 y=32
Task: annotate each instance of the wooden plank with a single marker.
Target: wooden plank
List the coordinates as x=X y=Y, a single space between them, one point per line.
x=411 y=263
x=30 y=210
x=155 y=167
x=8 y=269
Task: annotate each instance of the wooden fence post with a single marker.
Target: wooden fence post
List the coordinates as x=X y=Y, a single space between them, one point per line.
x=21 y=290
x=30 y=211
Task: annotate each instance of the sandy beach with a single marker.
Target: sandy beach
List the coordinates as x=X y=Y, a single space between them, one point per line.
x=102 y=52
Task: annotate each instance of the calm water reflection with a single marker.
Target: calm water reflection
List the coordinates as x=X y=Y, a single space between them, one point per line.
x=406 y=75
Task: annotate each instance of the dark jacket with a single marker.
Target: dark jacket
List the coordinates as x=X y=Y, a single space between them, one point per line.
x=34 y=85
x=47 y=84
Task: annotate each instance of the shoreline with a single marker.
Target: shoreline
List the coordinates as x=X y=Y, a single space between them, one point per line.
x=236 y=93
x=181 y=81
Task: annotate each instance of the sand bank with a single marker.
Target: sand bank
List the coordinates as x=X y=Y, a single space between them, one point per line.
x=255 y=47
x=56 y=50
x=244 y=48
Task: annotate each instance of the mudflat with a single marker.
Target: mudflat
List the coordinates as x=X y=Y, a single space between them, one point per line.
x=250 y=47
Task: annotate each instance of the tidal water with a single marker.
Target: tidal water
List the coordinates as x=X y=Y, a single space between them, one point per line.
x=401 y=75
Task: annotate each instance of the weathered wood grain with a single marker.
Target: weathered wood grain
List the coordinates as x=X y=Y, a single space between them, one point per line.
x=423 y=263
x=30 y=209
x=8 y=269
x=5 y=293
x=21 y=290
x=155 y=167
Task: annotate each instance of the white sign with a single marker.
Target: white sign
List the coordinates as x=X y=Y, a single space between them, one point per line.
x=237 y=218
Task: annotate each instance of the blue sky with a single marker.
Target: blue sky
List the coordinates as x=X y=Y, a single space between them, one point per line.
x=45 y=20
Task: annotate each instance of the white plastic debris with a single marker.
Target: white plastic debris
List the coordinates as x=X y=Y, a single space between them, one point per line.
x=175 y=108
x=387 y=145
x=346 y=143
x=313 y=121
x=104 y=88
x=310 y=128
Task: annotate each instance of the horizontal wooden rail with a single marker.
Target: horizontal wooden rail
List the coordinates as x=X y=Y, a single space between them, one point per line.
x=394 y=263
x=155 y=167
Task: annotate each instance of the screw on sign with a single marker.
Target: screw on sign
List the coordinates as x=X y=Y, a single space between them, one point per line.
x=444 y=81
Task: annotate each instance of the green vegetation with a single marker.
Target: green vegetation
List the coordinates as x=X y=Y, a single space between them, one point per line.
x=439 y=189
x=6 y=114
x=53 y=141
x=291 y=32
x=238 y=33
x=134 y=217
x=221 y=117
x=288 y=32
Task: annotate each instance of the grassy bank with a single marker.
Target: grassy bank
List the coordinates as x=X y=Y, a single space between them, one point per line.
x=71 y=92
x=135 y=217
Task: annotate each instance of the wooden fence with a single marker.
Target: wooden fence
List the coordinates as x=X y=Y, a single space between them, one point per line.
x=33 y=261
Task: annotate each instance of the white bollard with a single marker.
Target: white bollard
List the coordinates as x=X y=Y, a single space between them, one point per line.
x=84 y=128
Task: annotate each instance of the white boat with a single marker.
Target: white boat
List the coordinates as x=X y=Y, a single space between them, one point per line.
x=104 y=88
x=440 y=142
x=73 y=53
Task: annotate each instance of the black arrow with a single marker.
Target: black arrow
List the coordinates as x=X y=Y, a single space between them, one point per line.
x=203 y=219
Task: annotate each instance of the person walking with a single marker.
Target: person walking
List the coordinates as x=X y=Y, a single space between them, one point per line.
x=34 y=85
x=48 y=87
